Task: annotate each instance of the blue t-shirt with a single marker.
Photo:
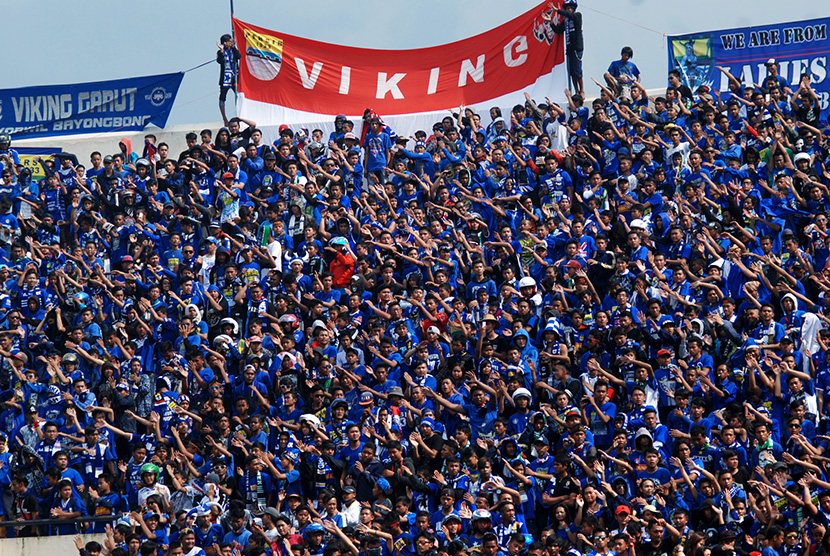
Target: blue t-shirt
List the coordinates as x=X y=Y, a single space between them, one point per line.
x=377 y=146
x=628 y=69
x=241 y=538
x=603 y=432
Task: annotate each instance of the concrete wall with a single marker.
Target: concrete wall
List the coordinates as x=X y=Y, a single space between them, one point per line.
x=63 y=545
x=107 y=143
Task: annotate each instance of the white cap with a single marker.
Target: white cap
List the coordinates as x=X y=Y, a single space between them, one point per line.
x=433 y=330
x=313 y=419
x=520 y=392
x=222 y=338
x=527 y=282
x=638 y=223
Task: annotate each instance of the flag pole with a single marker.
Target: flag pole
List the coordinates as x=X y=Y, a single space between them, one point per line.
x=235 y=93
x=232 y=16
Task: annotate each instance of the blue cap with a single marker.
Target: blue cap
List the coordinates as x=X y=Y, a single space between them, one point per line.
x=420 y=144
x=428 y=422
x=383 y=484
x=291 y=456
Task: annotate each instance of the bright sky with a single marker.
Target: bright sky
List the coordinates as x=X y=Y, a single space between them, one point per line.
x=56 y=42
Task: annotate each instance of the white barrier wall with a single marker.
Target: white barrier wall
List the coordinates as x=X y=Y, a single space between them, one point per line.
x=62 y=545
x=107 y=143
x=173 y=135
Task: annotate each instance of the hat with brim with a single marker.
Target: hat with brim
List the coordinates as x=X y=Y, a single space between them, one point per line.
x=451 y=517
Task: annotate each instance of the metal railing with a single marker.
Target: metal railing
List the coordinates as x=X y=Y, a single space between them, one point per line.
x=60 y=521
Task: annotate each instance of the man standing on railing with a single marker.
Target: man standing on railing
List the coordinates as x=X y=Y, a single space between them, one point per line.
x=25 y=505
x=569 y=21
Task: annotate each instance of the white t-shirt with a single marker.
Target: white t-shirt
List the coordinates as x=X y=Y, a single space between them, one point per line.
x=208 y=262
x=147 y=492
x=351 y=514
x=684 y=149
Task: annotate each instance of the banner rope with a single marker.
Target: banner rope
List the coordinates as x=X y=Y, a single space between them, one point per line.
x=662 y=34
x=199 y=66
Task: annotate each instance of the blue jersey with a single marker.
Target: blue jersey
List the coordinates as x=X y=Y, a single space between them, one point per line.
x=556 y=185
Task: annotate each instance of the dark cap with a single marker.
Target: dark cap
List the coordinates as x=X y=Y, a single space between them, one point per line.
x=727 y=534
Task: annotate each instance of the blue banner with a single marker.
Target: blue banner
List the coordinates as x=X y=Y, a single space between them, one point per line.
x=801 y=47
x=120 y=105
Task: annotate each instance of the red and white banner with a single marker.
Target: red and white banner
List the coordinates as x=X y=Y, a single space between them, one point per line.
x=290 y=80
